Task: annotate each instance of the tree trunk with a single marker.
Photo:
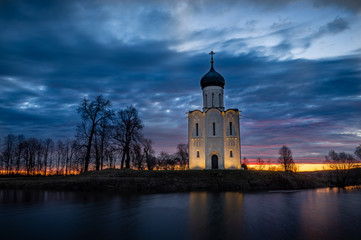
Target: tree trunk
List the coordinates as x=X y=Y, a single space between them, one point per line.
x=123 y=157
x=66 y=165
x=18 y=162
x=127 y=162
x=87 y=157
x=102 y=151
x=45 y=163
x=97 y=160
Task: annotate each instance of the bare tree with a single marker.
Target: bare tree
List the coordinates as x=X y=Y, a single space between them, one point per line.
x=2 y=163
x=47 y=145
x=182 y=155
x=149 y=154
x=358 y=151
x=78 y=159
x=102 y=141
x=21 y=142
x=60 y=154
x=70 y=149
x=127 y=129
x=138 y=156
x=9 y=152
x=166 y=161
x=92 y=114
x=110 y=156
x=162 y=161
x=286 y=159
x=341 y=164
x=39 y=157
x=98 y=151
x=30 y=152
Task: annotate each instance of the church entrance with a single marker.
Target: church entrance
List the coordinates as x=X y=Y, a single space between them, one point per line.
x=214 y=162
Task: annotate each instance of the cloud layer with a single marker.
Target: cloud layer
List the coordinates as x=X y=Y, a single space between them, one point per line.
x=293 y=68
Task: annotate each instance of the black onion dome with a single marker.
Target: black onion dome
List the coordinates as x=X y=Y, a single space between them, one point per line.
x=212 y=78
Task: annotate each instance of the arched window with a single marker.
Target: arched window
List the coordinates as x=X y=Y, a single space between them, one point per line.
x=197 y=129
x=206 y=102
x=231 y=153
x=214 y=129
x=212 y=99
x=197 y=153
x=220 y=100
x=230 y=128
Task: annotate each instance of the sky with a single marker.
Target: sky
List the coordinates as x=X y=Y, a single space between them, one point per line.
x=292 y=67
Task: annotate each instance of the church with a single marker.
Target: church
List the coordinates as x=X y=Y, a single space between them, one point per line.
x=213 y=133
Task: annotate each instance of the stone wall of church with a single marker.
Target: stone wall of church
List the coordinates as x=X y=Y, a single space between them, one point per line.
x=214 y=140
x=232 y=153
x=218 y=134
x=196 y=140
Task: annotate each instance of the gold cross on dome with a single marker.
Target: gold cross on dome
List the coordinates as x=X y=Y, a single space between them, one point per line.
x=212 y=53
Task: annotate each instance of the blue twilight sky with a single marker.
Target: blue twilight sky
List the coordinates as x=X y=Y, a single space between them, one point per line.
x=292 y=67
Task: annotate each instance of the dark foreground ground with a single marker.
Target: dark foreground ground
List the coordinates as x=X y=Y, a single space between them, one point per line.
x=178 y=181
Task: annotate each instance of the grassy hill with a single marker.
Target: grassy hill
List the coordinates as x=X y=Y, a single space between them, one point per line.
x=177 y=181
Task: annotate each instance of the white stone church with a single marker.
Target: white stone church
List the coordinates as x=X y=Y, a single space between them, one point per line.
x=213 y=133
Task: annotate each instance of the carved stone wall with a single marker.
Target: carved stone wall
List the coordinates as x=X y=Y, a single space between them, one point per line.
x=232 y=150
x=216 y=136
x=196 y=142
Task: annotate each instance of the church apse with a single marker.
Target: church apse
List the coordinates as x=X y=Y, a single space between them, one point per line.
x=213 y=133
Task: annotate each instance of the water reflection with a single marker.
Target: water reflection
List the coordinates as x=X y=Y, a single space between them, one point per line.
x=215 y=215
x=311 y=214
x=317 y=209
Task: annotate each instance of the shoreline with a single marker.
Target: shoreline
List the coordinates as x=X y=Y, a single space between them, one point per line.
x=144 y=181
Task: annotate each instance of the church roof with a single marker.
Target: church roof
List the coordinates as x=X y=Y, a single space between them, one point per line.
x=212 y=78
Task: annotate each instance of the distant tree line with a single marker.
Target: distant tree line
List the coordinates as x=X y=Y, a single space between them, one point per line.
x=285 y=161
x=105 y=138
x=341 y=163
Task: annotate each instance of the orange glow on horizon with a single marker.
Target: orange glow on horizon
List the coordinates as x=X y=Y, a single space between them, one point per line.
x=301 y=167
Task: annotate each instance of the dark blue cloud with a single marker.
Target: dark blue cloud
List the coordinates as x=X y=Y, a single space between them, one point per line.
x=52 y=56
x=336 y=26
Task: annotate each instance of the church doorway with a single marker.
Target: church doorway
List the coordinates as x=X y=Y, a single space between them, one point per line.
x=214 y=162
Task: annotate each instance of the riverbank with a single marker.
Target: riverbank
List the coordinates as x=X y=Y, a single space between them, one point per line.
x=133 y=181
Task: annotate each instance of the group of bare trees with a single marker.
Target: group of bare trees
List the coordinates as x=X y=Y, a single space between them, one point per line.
x=285 y=161
x=341 y=165
x=107 y=135
x=105 y=138
x=36 y=156
x=177 y=161
x=32 y=156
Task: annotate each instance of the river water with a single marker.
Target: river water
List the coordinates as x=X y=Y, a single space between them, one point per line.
x=307 y=214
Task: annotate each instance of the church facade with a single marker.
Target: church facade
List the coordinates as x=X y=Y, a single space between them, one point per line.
x=213 y=132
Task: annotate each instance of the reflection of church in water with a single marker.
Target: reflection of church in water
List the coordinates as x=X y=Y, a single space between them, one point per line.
x=213 y=133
